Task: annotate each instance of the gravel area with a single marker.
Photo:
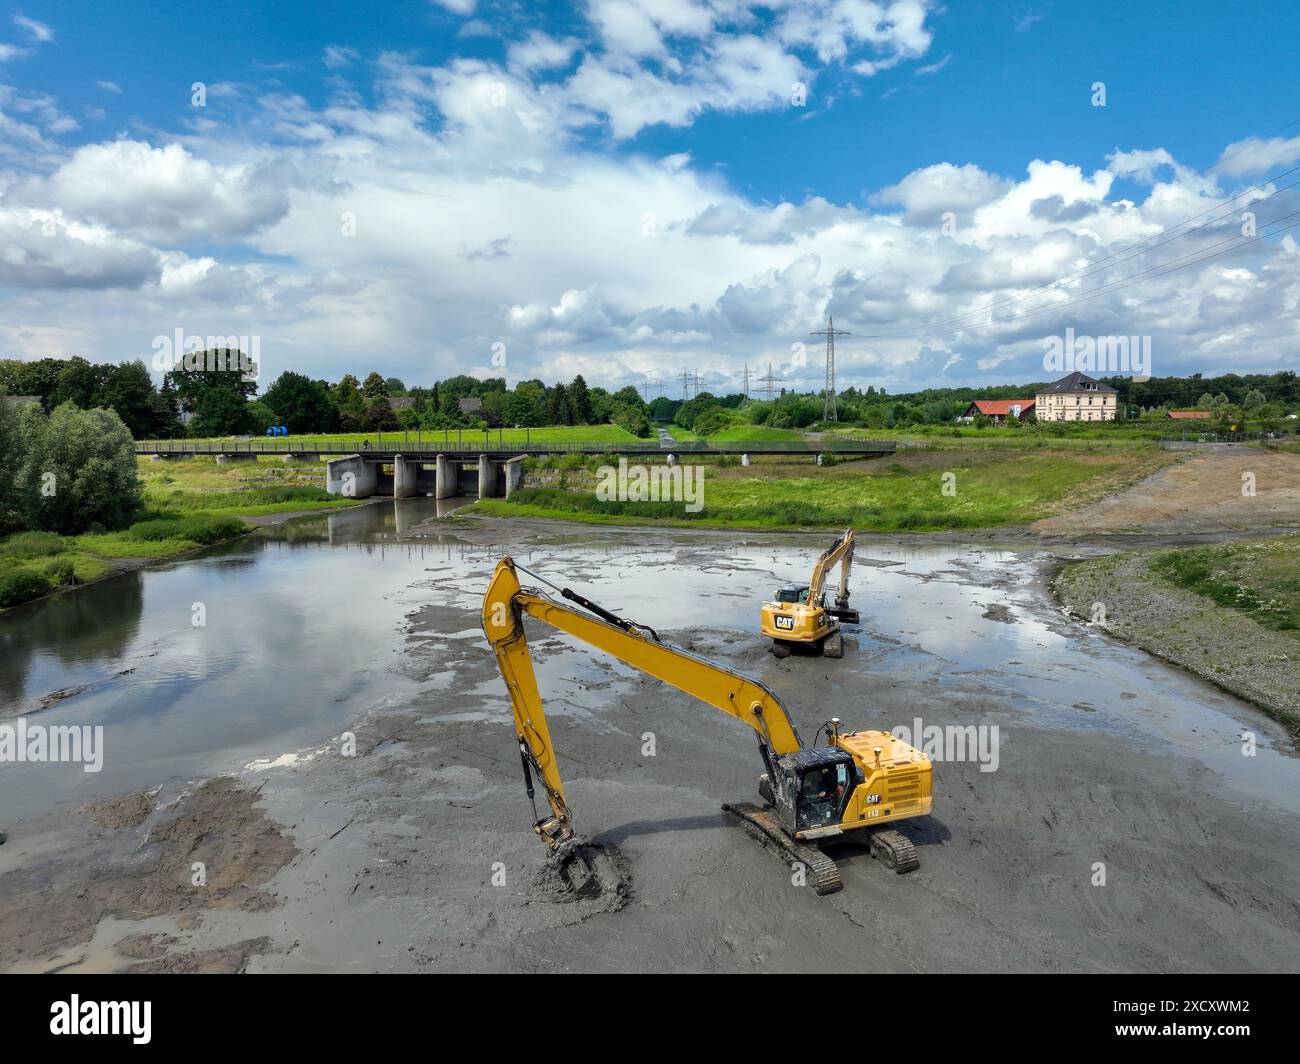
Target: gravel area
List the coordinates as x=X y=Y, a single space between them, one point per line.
x=1121 y=595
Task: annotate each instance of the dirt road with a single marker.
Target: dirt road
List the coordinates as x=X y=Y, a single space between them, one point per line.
x=1239 y=489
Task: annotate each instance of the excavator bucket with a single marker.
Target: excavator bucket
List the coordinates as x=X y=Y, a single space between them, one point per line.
x=588 y=870
x=843 y=613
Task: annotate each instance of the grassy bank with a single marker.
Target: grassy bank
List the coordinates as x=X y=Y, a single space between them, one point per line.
x=1260 y=579
x=919 y=490
x=1224 y=612
x=187 y=505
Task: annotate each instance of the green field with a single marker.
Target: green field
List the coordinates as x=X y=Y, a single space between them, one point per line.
x=990 y=488
x=752 y=434
x=1261 y=579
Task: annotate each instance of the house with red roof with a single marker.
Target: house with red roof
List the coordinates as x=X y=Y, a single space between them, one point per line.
x=998 y=410
x=1189 y=415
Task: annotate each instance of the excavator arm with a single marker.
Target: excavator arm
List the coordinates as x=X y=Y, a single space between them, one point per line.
x=504 y=607
x=840 y=551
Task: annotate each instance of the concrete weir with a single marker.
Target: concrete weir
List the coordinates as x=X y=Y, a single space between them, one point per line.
x=405 y=475
x=360 y=476
x=352 y=476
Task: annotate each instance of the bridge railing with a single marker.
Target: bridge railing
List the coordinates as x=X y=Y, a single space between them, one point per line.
x=396 y=442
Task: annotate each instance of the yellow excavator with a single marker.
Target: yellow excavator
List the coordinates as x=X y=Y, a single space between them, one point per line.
x=799 y=616
x=850 y=787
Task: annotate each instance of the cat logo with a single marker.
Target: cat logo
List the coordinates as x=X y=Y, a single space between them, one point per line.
x=784 y=622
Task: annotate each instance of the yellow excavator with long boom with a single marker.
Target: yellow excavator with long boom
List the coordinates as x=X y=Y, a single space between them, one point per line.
x=850 y=787
x=799 y=615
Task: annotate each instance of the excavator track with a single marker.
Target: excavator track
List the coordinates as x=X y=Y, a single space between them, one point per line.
x=894 y=850
x=822 y=872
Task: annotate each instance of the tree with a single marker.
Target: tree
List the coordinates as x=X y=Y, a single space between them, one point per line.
x=395 y=386
x=78 y=470
x=128 y=389
x=381 y=416
x=11 y=456
x=375 y=387
x=558 y=411
x=211 y=387
x=579 y=402
x=79 y=382
x=302 y=404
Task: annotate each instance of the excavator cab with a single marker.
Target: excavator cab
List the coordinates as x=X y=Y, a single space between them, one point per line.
x=817 y=786
x=794 y=595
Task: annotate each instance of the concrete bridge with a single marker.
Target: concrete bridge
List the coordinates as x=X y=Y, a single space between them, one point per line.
x=420 y=447
x=359 y=476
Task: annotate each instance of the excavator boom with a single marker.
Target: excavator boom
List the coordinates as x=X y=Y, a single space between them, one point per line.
x=504 y=607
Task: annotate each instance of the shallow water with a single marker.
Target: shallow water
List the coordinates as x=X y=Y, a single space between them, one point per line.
x=305 y=623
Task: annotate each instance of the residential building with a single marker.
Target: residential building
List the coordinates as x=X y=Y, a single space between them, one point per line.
x=1076 y=398
x=999 y=410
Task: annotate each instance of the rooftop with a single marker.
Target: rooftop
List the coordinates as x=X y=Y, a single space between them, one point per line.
x=1075 y=383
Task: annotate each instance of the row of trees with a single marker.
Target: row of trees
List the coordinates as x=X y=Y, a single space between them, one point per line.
x=222 y=403
x=206 y=399
x=126 y=388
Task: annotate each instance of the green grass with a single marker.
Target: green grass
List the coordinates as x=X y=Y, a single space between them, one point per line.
x=1261 y=578
x=992 y=488
x=752 y=434
x=265 y=486
x=1093 y=437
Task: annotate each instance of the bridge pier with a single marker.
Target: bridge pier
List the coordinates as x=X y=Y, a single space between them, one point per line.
x=446 y=480
x=404 y=474
x=514 y=474
x=487 y=478
x=226 y=459
x=352 y=476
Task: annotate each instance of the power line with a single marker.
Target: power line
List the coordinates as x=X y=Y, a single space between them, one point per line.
x=770 y=382
x=829 y=412
x=1164 y=268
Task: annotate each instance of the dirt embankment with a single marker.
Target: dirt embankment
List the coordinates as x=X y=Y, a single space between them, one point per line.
x=1121 y=595
x=1242 y=489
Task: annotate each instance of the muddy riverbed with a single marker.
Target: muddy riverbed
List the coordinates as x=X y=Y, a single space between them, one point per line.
x=373 y=818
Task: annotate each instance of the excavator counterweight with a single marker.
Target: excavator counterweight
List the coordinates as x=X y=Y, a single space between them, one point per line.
x=853 y=785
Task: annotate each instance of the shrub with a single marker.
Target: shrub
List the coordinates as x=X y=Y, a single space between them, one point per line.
x=60 y=572
x=197 y=529
x=31 y=545
x=20 y=585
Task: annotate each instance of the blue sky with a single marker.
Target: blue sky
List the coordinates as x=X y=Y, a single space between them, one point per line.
x=628 y=188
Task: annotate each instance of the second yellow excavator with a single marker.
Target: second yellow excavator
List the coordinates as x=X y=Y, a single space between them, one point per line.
x=799 y=616
x=852 y=786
